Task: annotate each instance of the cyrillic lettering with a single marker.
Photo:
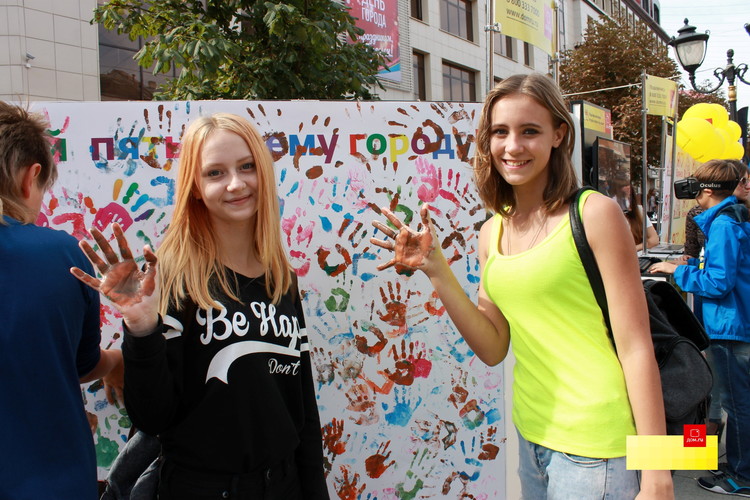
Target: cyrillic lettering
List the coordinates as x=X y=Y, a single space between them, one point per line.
x=307 y=146
x=128 y=146
x=415 y=144
x=353 y=143
x=397 y=149
x=328 y=149
x=95 y=145
x=446 y=148
x=381 y=141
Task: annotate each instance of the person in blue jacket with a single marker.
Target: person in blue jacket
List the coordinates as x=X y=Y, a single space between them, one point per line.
x=50 y=335
x=723 y=283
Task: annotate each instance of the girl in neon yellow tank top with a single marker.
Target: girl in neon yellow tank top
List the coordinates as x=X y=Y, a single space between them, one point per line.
x=574 y=398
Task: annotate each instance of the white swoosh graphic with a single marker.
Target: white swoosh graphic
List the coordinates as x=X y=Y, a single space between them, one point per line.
x=219 y=367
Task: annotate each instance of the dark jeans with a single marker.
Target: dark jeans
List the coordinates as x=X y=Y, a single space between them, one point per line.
x=732 y=368
x=280 y=482
x=135 y=472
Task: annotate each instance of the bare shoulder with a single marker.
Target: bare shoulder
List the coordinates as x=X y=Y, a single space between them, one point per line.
x=599 y=209
x=485 y=233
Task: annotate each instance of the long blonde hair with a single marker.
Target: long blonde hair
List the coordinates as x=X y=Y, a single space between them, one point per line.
x=495 y=192
x=189 y=254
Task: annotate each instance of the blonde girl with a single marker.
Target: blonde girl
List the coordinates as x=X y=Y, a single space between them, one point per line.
x=216 y=355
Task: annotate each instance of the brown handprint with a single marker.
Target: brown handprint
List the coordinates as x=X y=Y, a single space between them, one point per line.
x=459 y=394
x=396 y=309
x=359 y=398
x=375 y=464
x=371 y=350
x=404 y=368
x=361 y=403
x=326 y=370
x=489 y=449
x=332 y=434
x=346 y=488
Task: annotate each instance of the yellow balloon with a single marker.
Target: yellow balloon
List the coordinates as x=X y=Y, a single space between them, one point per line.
x=696 y=136
x=700 y=110
x=725 y=141
x=719 y=115
x=714 y=113
x=734 y=129
x=734 y=151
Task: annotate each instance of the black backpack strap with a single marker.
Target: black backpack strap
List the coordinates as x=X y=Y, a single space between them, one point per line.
x=587 y=255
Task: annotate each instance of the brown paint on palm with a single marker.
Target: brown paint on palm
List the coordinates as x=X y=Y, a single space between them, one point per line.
x=122 y=281
x=411 y=248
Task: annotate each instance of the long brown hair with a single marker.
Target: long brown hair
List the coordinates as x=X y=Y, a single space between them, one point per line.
x=495 y=192
x=189 y=254
x=24 y=141
x=634 y=217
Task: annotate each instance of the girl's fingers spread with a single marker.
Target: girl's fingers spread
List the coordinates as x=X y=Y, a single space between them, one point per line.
x=388 y=264
x=93 y=257
x=392 y=218
x=122 y=243
x=381 y=243
x=105 y=247
x=89 y=280
x=425 y=213
x=384 y=229
x=149 y=255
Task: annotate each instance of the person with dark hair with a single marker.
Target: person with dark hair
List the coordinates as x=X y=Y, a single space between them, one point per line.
x=652 y=202
x=216 y=352
x=694 y=241
x=49 y=342
x=722 y=281
x=635 y=218
x=575 y=396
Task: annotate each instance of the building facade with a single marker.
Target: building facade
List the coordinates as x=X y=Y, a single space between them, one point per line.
x=50 y=51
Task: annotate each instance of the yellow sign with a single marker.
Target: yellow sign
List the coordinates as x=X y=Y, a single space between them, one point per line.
x=661 y=96
x=670 y=453
x=596 y=118
x=527 y=20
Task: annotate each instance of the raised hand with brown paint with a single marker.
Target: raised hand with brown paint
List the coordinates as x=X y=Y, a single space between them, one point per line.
x=412 y=249
x=128 y=287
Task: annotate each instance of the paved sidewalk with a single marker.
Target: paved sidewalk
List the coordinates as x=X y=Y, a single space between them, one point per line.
x=686 y=481
x=686 y=486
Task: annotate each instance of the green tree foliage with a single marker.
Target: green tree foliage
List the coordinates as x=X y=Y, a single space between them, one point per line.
x=247 y=49
x=614 y=54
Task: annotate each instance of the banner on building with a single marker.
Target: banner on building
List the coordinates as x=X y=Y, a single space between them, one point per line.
x=379 y=20
x=527 y=20
x=407 y=410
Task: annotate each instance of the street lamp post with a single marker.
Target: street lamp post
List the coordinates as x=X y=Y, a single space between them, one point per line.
x=690 y=48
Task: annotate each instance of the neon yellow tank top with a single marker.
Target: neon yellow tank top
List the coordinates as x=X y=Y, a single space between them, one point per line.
x=569 y=391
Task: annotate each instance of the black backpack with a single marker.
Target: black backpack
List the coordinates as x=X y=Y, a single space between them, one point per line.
x=677 y=334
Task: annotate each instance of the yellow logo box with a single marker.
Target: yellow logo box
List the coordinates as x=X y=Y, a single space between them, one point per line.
x=670 y=453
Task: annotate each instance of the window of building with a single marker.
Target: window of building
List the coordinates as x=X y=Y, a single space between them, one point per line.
x=456 y=18
x=419 y=76
x=120 y=77
x=459 y=84
x=528 y=54
x=657 y=15
x=504 y=45
x=416 y=9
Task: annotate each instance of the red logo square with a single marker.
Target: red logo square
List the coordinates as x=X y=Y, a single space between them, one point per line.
x=694 y=436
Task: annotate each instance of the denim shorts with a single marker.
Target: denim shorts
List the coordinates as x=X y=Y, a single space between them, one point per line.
x=553 y=475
